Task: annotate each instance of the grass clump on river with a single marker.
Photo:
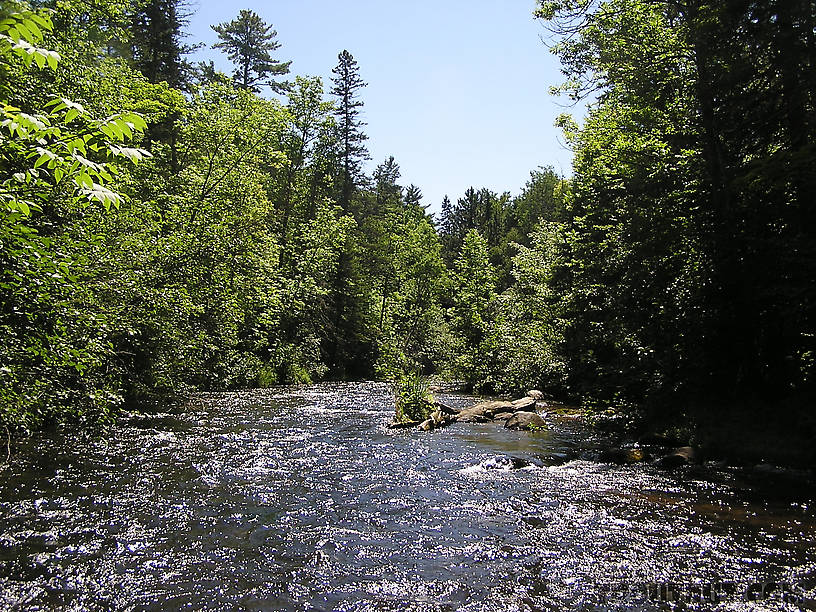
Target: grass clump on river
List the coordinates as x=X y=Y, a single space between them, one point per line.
x=412 y=397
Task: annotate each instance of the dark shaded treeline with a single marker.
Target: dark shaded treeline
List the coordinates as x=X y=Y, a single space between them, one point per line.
x=687 y=277
x=671 y=278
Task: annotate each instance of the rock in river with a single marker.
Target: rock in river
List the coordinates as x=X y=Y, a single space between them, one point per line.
x=499 y=462
x=525 y=403
x=525 y=420
x=428 y=425
x=483 y=411
x=469 y=415
x=622 y=456
x=402 y=424
x=679 y=456
x=444 y=407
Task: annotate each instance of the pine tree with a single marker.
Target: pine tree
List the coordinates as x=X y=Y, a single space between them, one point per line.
x=157 y=51
x=349 y=348
x=156 y=33
x=414 y=208
x=446 y=217
x=249 y=42
x=413 y=197
x=387 y=189
x=347 y=84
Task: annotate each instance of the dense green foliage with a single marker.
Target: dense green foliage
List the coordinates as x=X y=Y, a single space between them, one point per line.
x=221 y=260
x=164 y=228
x=672 y=278
x=686 y=275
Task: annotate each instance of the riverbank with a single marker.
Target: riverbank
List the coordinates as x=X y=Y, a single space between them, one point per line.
x=737 y=436
x=756 y=437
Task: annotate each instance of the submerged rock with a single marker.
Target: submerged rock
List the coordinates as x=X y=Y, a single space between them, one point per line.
x=656 y=439
x=525 y=420
x=402 y=424
x=622 y=456
x=499 y=462
x=684 y=455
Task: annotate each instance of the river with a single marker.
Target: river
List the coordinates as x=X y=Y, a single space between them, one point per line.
x=302 y=499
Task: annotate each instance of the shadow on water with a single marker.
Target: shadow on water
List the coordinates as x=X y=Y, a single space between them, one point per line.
x=302 y=499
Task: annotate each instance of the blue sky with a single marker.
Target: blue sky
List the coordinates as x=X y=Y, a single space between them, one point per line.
x=458 y=90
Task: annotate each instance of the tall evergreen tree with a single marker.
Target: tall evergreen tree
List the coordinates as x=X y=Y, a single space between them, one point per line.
x=249 y=42
x=156 y=47
x=414 y=209
x=387 y=189
x=445 y=217
x=413 y=197
x=347 y=85
x=156 y=33
x=349 y=346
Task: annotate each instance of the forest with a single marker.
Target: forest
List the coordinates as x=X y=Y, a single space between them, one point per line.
x=167 y=228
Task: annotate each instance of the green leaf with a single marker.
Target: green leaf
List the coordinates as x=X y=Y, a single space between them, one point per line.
x=103 y=195
x=108 y=131
x=136 y=121
x=124 y=127
x=34 y=30
x=78 y=144
x=83 y=180
x=43 y=21
x=24 y=32
x=53 y=59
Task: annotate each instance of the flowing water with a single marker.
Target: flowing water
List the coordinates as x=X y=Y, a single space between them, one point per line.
x=302 y=499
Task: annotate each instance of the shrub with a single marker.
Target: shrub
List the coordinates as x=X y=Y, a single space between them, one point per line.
x=412 y=398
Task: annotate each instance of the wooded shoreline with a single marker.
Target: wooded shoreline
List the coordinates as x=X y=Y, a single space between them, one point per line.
x=167 y=228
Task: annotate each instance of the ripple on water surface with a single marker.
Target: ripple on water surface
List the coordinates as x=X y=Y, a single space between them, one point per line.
x=302 y=499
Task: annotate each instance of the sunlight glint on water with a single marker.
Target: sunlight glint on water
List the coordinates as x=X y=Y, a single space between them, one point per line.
x=302 y=499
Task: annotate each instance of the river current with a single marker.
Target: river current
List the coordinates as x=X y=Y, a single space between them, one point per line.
x=302 y=499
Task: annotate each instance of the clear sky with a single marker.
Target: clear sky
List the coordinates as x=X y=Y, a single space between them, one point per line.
x=457 y=90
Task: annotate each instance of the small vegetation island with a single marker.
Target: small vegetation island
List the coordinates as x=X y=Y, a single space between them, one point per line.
x=166 y=228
